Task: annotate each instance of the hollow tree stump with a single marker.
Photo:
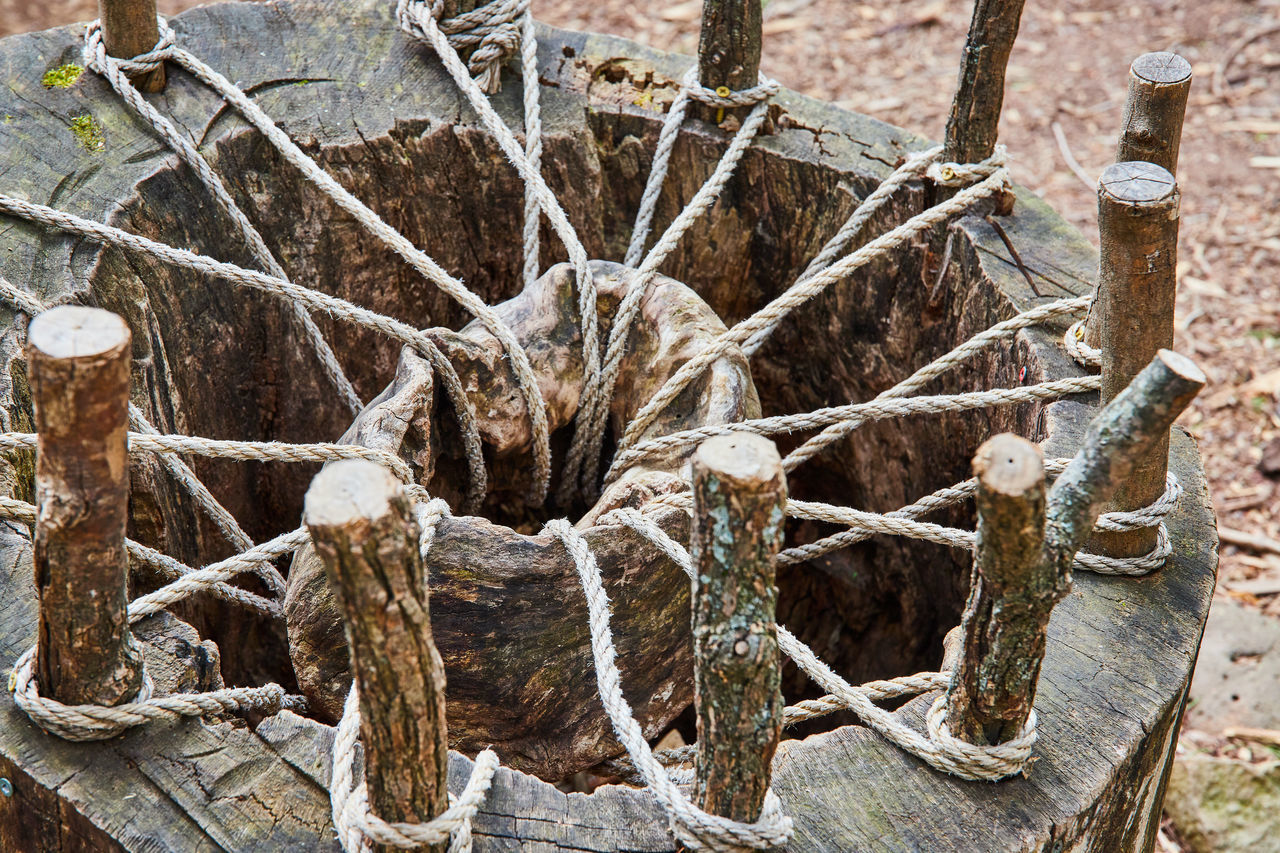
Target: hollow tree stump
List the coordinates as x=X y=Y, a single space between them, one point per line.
x=377 y=111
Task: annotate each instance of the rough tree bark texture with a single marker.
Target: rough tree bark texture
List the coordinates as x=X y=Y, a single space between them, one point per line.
x=1151 y=130
x=1137 y=285
x=729 y=46
x=993 y=685
x=129 y=29
x=974 y=122
x=877 y=609
x=739 y=518
x=79 y=360
x=364 y=533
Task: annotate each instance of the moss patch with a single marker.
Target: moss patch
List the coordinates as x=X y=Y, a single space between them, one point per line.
x=88 y=132
x=62 y=77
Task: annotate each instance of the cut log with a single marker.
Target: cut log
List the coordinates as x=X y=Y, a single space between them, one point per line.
x=216 y=361
x=1151 y=130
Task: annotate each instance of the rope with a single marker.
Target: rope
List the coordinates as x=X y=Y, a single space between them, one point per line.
x=1080 y=352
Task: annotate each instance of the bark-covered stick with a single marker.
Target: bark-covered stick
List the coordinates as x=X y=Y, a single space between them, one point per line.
x=994 y=682
x=129 y=29
x=364 y=533
x=740 y=495
x=79 y=360
x=974 y=122
x=729 y=47
x=1119 y=438
x=1132 y=315
x=1152 y=127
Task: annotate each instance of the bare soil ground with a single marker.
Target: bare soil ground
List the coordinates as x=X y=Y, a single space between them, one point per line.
x=897 y=60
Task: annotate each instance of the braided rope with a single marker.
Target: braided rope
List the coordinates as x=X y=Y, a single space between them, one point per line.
x=1080 y=352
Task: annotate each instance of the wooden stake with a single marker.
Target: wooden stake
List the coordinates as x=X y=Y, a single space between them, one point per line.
x=739 y=494
x=1133 y=311
x=729 y=46
x=363 y=531
x=79 y=360
x=974 y=122
x=994 y=683
x=129 y=29
x=1023 y=574
x=1152 y=128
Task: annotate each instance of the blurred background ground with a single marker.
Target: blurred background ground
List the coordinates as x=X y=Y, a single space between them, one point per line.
x=897 y=60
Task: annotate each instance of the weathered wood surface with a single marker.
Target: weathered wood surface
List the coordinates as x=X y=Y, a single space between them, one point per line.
x=364 y=532
x=381 y=115
x=1151 y=129
x=79 y=362
x=974 y=122
x=509 y=615
x=739 y=521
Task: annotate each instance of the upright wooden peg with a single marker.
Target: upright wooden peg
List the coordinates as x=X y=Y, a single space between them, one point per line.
x=729 y=46
x=364 y=533
x=129 y=29
x=1152 y=128
x=79 y=360
x=740 y=495
x=974 y=122
x=1013 y=592
x=1133 y=311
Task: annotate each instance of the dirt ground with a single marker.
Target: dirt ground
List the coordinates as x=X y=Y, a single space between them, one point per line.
x=897 y=60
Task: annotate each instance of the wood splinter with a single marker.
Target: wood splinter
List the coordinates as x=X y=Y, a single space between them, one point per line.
x=1132 y=315
x=1027 y=543
x=129 y=29
x=364 y=534
x=79 y=360
x=740 y=494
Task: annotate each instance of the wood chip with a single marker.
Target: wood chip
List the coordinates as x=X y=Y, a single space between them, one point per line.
x=1250 y=541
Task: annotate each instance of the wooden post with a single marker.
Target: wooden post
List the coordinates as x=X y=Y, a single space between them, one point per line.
x=1133 y=311
x=1027 y=543
x=364 y=533
x=974 y=122
x=79 y=360
x=994 y=682
x=739 y=494
x=129 y=29
x=729 y=46
x=1152 y=128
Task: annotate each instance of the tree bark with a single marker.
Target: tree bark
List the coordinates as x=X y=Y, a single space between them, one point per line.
x=1151 y=130
x=974 y=122
x=79 y=360
x=739 y=494
x=1013 y=592
x=129 y=29
x=729 y=46
x=1133 y=312
x=360 y=522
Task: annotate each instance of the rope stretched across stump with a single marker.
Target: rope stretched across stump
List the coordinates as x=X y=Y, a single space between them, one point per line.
x=991 y=177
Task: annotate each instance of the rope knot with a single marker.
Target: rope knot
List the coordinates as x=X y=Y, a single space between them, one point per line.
x=979 y=762
x=724 y=97
x=964 y=174
x=491 y=32
x=97 y=59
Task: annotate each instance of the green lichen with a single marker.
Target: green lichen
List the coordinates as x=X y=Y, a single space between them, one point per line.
x=88 y=132
x=62 y=77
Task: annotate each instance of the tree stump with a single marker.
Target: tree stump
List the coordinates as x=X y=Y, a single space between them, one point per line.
x=378 y=112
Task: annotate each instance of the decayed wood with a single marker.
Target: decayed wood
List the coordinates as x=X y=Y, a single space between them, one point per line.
x=974 y=122
x=1013 y=592
x=873 y=610
x=129 y=29
x=1151 y=130
x=739 y=521
x=729 y=46
x=79 y=360
x=1133 y=311
x=364 y=533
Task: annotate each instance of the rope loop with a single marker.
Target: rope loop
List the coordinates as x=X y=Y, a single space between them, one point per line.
x=725 y=97
x=359 y=828
x=964 y=174
x=491 y=32
x=981 y=761
x=97 y=59
x=82 y=723
x=1080 y=352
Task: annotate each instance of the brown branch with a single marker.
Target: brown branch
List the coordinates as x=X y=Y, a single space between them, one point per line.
x=729 y=46
x=973 y=124
x=129 y=29
x=1151 y=130
x=740 y=494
